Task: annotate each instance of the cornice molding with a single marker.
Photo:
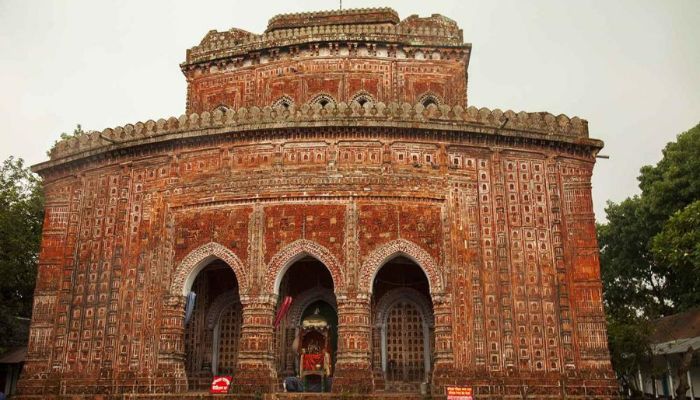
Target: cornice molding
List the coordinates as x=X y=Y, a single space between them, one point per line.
x=507 y=125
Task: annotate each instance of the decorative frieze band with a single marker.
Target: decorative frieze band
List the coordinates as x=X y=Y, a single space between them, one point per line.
x=542 y=124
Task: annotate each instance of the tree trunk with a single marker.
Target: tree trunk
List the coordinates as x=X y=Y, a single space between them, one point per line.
x=683 y=367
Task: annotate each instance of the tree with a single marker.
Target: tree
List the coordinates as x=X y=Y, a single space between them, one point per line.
x=677 y=247
x=669 y=191
x=650 y=252
x=632 y=280
x=21 y=217
x=629 y=349
x=674 y=182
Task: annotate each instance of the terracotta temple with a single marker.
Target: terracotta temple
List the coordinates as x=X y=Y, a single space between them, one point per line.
x=329 y=207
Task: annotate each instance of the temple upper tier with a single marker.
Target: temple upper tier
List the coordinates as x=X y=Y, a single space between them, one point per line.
x=363 y=55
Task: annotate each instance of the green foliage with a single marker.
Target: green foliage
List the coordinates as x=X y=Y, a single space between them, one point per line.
x=21 y=216
x=77 y=132
x=674 y=182
x=630 y=275
x=650 y=251
x=629 y=348
x=677 y=247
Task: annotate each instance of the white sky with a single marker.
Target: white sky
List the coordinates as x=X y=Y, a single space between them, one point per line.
x=630 y=67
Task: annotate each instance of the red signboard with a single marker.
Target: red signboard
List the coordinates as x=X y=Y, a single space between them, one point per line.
x=220 y=384
x=459 y=393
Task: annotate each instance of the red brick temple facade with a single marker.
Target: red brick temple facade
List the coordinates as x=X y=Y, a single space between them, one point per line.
x=332 y=160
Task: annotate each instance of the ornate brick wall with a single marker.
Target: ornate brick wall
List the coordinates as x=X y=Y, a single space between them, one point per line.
x=494 y=207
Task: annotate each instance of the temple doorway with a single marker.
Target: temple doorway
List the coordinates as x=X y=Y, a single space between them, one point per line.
x=308 y=326
x=403 y=326
x=213 y=320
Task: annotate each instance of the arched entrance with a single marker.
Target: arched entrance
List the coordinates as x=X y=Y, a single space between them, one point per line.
x=213 y=319
x=403 y=326
x=309 y=286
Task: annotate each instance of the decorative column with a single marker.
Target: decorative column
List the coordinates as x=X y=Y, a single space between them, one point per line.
x=171 y=375
x=353 y=367
x=377 y=356
x=255 y=372
x=443 y=366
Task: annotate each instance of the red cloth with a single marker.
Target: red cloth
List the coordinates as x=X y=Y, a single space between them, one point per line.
x=312 y=360
x=283 y=310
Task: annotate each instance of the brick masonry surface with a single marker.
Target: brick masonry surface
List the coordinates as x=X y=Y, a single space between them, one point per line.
x=344 y=136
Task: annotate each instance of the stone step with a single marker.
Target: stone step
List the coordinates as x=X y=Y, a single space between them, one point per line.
x=349 y=396
x=295 y=396
x=207 y=396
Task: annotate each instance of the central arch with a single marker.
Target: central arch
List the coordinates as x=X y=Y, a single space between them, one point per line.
x=295 y=251
x=304 y=277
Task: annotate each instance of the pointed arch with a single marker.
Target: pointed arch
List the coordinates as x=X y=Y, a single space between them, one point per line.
x=363 y=97
x=396 y=248
x=429 y=98
x=293 y=252
x=323 y=99
x=284 y=101
x=199 y=258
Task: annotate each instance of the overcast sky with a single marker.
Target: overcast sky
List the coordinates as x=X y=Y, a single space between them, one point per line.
x=631 y=68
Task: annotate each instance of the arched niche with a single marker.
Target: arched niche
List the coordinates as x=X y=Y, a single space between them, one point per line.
x=220 y=308
x=295 y=251
x=190 y=266
x=421 y=303
x=400 y=248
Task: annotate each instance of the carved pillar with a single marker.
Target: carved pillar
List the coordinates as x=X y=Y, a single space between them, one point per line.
x=255 y=372
x=443 y=366
x=377 y=371
x=353 y=368
x=171 y=375
x=208 y=352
